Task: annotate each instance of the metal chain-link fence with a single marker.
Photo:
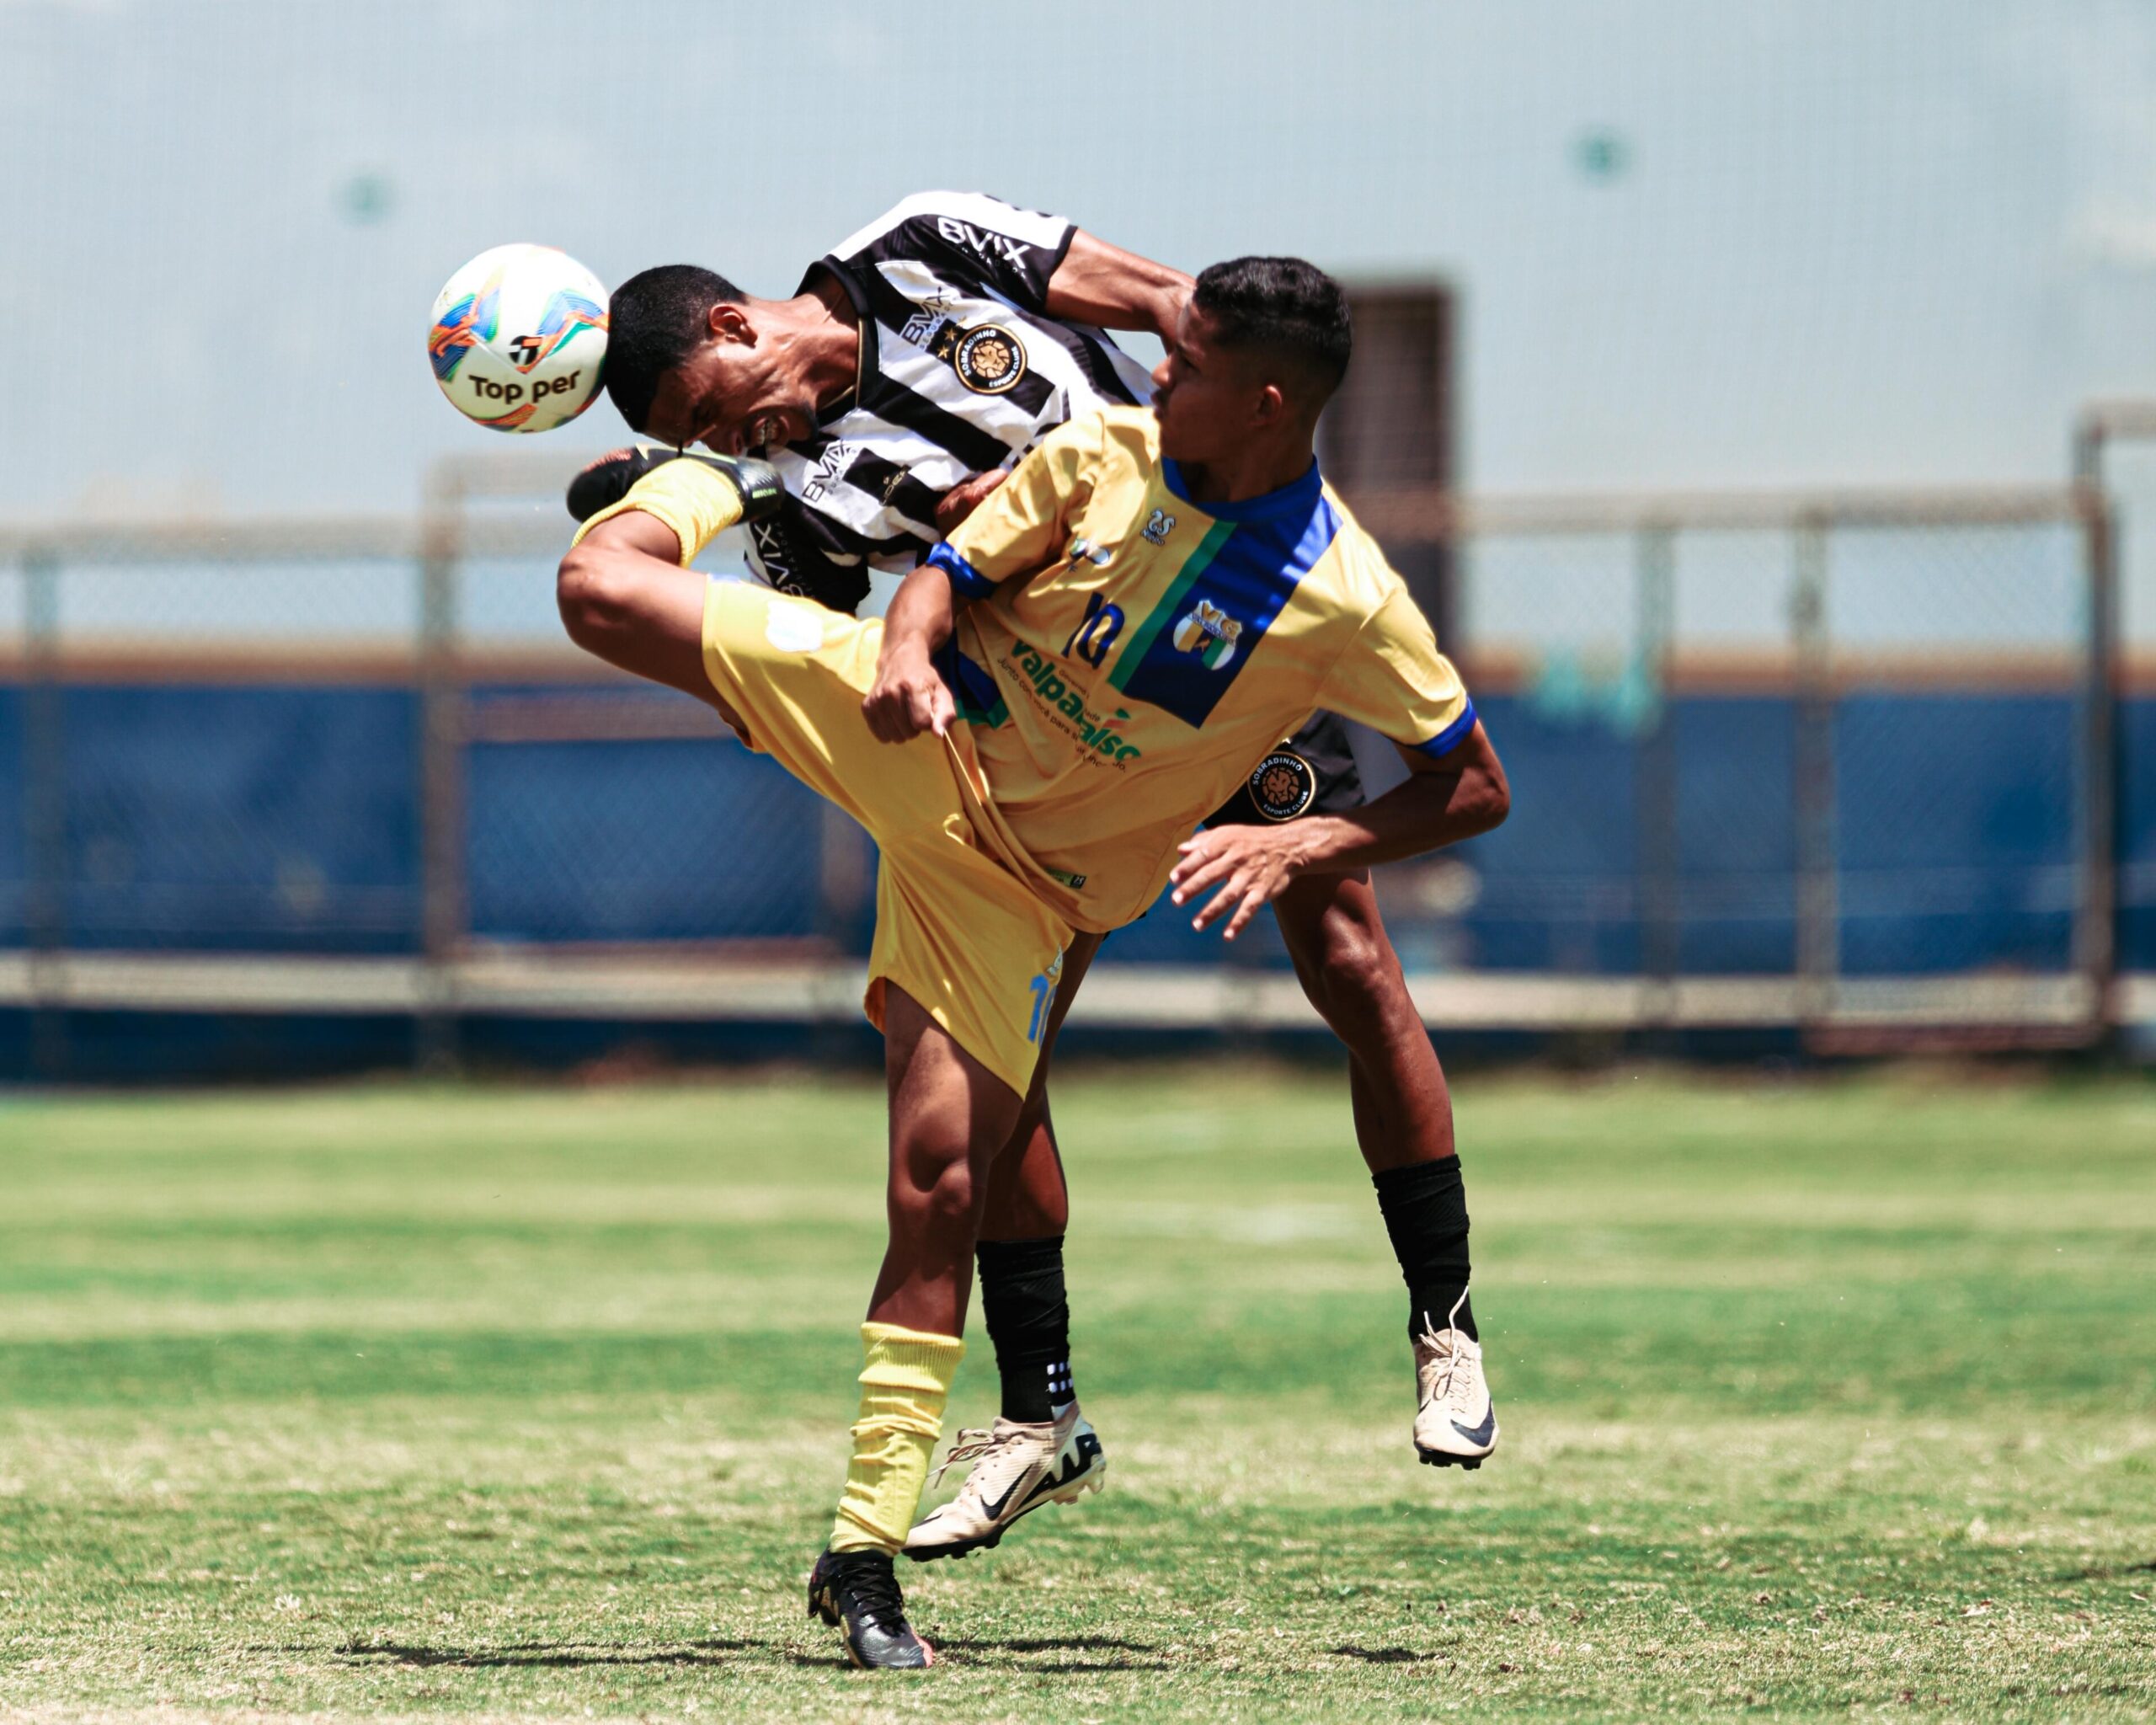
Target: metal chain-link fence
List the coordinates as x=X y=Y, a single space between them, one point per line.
x=1846 y=763
x=1842 y=761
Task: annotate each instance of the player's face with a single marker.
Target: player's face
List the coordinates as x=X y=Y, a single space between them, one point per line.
x=1204 y=396
x=730 y=395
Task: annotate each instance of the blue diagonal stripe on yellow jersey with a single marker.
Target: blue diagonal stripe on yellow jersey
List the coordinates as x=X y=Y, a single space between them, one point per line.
x=1249 y=569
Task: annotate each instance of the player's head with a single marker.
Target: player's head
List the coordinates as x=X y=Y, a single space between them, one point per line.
x=689 y=360
x=1260 y=346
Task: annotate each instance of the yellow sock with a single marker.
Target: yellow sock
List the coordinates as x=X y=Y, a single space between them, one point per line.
x=696 y=500
x=903 y=1389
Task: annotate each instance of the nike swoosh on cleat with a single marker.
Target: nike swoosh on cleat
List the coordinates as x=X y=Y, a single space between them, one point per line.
x=994 y=1511
x=1481 y=1434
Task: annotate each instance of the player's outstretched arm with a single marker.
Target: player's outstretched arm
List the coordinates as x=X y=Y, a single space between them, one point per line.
x=1103 y=285
x=1456 y=796
x=910 y=696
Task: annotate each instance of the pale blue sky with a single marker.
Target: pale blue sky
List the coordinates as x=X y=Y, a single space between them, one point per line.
x=1852 y=240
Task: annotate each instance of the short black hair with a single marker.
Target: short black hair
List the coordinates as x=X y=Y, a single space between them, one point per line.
x=655 y=320
x=1290 y=309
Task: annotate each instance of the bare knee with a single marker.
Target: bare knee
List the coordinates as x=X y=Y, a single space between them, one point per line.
x=953 y=1198
x=941 y=1181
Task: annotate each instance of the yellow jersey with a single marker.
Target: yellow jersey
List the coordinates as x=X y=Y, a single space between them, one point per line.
x=1127 y=656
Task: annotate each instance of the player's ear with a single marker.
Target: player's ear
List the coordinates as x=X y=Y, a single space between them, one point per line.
x=1272 y=406
x=730 y=322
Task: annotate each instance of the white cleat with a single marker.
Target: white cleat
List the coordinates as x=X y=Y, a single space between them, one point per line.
x=1017 y=1467
x=1456 y=1424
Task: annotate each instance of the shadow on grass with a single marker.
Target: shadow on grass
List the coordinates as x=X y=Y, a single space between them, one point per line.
x=2108 y=1572
x=992 y=1655
x=540 y=1654
x=987 y=1655
x=1389 y=1656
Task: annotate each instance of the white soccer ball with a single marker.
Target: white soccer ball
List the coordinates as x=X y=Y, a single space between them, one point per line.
x=519 y=338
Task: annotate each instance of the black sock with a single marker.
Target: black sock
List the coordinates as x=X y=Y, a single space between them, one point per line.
x=1425 y=1209
x=1028 y=1318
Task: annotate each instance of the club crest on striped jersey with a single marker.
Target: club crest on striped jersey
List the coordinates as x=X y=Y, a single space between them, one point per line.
x=989 y=359
x=1210 y=632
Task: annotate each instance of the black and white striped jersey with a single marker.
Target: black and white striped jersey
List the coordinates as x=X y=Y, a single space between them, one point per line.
x=962 y=370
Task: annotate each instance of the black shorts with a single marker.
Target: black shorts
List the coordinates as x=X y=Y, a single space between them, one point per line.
x=1313 y=772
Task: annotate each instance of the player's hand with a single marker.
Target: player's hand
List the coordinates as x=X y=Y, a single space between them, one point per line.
x=907 y=697
x=607 y=480
x=1250 y=865
x=962 y=498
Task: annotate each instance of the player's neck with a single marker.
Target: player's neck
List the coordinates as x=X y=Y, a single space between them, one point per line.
x=823 y=335
x=1249 y=472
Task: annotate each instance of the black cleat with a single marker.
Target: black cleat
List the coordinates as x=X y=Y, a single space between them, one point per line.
x=606 y=482
x=856 y=1594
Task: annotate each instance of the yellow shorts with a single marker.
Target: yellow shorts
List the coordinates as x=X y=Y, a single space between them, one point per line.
x=955 y=928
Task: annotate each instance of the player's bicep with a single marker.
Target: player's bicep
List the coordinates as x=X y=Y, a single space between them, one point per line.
x=1393 y=679
x=1021 y=527
x=1103 y=285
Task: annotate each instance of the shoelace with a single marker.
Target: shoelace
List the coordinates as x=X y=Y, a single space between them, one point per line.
x=973 y=1443
x=1432 y=1335
x=875 y=1591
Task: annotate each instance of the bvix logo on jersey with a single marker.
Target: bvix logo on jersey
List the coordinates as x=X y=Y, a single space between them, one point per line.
x=1158 y=528
x=1091 y=639
x=1210 y=632
x=985 y=240
x=830 y=467
x=773 y=555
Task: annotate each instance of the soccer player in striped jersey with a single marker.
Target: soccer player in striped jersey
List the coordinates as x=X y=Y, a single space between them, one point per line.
x=892 y=392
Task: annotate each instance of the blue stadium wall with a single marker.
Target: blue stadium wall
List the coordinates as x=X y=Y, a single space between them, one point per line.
x=234 y=819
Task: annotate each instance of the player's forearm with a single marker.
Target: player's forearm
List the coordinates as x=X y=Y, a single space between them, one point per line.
x=921 y=615
x=1432 y=809
x=1103 y=285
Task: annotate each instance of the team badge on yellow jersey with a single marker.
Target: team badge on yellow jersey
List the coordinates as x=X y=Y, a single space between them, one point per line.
x=1209 y=633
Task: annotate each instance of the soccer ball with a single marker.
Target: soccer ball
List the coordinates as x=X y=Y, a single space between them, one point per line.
x=519 y=339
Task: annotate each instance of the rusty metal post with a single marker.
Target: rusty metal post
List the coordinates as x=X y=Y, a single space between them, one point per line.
x=2096 y=909
x=1818 y=909
x=441 y=767
x=44 y=813
x=1655 y=782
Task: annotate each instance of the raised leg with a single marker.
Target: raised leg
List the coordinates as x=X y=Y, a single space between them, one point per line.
x=1345 y=961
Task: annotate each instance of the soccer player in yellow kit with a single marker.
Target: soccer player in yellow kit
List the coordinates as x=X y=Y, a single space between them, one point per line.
x=1070 y=683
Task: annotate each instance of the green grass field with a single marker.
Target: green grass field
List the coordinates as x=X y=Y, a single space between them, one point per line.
x=1817 y=1399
